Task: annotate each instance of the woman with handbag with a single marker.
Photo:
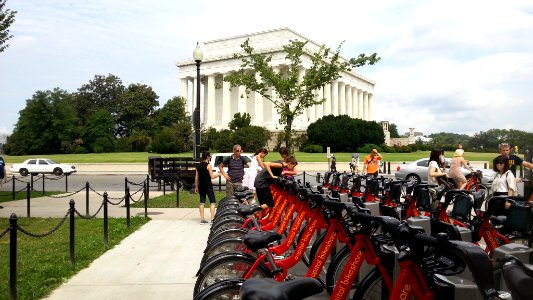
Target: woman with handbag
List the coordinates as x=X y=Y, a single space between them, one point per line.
x=504 y=183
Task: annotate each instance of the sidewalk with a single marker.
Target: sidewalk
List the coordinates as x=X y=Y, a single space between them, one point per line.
x=158 y=261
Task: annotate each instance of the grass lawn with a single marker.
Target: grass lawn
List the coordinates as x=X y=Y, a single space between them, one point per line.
x=142 y=157
x=187 y=200
x=44 y=263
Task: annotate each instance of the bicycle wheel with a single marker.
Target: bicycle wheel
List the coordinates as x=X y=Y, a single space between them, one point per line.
x=232 y=232
x=223 y=290
x=228 y=265
x=222 y=245
x=225 y=224
x=337 y=265
x=371 y=287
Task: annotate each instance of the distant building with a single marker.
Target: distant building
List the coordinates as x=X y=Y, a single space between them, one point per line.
x=352 y=94
x=412 y=137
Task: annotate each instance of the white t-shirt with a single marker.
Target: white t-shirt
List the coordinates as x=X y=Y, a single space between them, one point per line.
x=433 y=164
x=504 y=182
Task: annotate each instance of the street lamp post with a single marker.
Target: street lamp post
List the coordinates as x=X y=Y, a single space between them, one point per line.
x=198 y=55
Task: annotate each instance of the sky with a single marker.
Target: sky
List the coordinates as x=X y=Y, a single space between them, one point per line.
x=446 y=66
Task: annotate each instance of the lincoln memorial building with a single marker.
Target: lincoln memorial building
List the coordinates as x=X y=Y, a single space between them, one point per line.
x=351 y=95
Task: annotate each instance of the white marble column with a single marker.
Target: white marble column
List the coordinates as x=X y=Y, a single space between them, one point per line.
x=320 y=107
x=327 y=96
x=227 y=114
x=365 y=106
x=258 y=104
x=274 y=96
x=360 y=97
x=304 y=117
x=185 y=93
x=349 y=108
x=210 y=107
x=370 y=100
x=342 y=98
x=241 y=99
x=335 y=98
x=355 y=103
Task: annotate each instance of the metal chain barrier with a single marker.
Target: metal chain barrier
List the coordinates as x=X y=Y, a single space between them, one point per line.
x=10 y=179
x=21 y=190
x=118 y=203
x=92 y=216
x=19 y=180
x=141 y=197
x=66 y=196
x=97 y=193
x=133 y=183
x=5 y=232
x=41 y=235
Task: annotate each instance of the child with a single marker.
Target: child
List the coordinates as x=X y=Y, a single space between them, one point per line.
x=263 y=180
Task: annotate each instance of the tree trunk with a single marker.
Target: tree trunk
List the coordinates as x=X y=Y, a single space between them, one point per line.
x=288 y=134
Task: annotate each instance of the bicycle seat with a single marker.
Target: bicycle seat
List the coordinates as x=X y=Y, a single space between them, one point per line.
x=240 y=188
x=479 y=197
x=247 y=210
x=270 y=289
x=518 y=279
x=256 y=240
x=242 y=195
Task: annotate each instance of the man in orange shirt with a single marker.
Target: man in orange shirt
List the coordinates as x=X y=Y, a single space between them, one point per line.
x=372 y=163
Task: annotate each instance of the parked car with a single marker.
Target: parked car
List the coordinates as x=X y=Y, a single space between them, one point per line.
x=418 y=171
x=42 y=166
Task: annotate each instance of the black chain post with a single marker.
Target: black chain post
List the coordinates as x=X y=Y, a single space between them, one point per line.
x=72 y=231
x=127 y=199
x=87 y=187
x=66 y=183
x=13 y=256
x=219 y=183
x=31 y=177
x=389 y=167
x=13 y=190
x=28 y=197
x=43 y=184
x=304 y=177
x=178 y=186
x=164 y=186
x=106 y=233
x=146 y=188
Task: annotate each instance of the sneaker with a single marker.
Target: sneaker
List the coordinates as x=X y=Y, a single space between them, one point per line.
x=202 y=222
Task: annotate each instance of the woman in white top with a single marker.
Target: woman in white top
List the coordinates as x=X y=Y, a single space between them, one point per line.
x=504 y=183
x=436 y=167
x=256 y=165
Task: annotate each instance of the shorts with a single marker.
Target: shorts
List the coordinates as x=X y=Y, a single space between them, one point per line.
x=264 y=196
x=209 y=193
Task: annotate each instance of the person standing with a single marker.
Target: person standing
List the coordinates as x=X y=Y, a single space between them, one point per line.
x=371 y=166
x=333 y=167
x=204 y=187
x=235 y=164
x=436 y=174
x=514 y=160
x=3 y=175
x=504 y=183
x=455 y=173
x=256 y=165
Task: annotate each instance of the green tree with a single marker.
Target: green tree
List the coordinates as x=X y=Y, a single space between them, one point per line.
x=103 y=92
x=175 y=139
x=343 y=133
x=393 y=129
x=44 y=125
x=289 y=95
x=250 y=138
x=98 y=134
x=135 y=114
x=240 y=121
x=7 y=17
x=172 y=112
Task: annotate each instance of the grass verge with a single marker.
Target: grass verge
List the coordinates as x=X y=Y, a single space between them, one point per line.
x=8 y=195
x=44 y=263
x=187 y=200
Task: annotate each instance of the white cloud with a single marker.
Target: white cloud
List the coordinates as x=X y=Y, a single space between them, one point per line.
x=454 y=66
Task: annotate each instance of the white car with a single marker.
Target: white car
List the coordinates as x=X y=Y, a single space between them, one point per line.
x=42 y=166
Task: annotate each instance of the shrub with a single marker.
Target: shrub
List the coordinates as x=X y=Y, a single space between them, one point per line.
x=313 y=149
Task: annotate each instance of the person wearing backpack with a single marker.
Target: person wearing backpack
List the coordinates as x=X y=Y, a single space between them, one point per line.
x=504 y=183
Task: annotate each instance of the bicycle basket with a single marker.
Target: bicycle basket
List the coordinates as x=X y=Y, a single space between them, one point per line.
x=519 y=218
x=462 y=206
